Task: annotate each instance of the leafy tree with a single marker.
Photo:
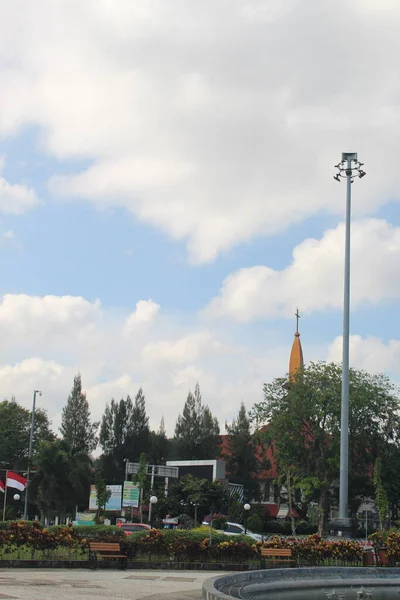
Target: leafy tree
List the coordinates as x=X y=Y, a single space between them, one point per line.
x=62 y=479
x=240 y=454
x=102 y=492
x=194 y=496
x=302 y=426
x=76 y=427
x=15 y=424
x=196 y=431
x=391 y=478
x=381 y=499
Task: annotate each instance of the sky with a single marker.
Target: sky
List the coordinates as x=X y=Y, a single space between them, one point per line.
x=167 y=198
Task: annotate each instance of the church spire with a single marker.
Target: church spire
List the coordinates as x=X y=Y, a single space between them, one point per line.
x=296 y=361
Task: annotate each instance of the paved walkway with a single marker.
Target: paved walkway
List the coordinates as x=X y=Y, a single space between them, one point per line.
x=63 y=584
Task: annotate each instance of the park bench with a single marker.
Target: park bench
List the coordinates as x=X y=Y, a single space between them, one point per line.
x=276 y=555
x=106 y=551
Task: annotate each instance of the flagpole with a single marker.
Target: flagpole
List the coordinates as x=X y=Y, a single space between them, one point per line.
x=5 y=502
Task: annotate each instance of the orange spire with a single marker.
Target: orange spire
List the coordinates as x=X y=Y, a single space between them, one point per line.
x=296 y=356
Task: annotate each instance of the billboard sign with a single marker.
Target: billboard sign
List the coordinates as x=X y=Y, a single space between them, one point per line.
x=130 y=497
x=114 y=502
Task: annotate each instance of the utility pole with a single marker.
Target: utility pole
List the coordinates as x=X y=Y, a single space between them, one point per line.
x=30 y=453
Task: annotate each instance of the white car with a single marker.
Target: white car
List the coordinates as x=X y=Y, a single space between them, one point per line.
x=238 y=529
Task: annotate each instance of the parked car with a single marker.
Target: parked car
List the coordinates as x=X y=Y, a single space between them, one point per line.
x=130 y=528
x=238 y=529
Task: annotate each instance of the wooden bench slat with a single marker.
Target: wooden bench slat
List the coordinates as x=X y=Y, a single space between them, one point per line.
x=276 y=552
x=104 y=546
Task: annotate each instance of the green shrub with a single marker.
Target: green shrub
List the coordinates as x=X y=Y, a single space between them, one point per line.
x=254 y=523
x=220 y=524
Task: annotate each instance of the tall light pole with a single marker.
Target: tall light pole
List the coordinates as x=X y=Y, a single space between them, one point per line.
x=349 y=168
x=30 y=453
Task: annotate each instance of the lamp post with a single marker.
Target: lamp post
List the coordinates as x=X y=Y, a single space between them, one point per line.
x=246 y=510
x=349 y=168
x=153 y=500
x=30 y=453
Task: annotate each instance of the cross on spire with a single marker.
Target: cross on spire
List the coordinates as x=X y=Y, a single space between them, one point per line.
x=297 y=315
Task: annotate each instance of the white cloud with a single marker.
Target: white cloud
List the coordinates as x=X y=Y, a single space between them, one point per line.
x=47 y=340
x=314 y=279
x=9 y=235
x=213 y=121
x=15 y=198
x=184 y=350
x=371 y=354
x=23 y=316
x=146 y=311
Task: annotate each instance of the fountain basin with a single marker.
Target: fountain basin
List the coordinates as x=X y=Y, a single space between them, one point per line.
x=308 y=583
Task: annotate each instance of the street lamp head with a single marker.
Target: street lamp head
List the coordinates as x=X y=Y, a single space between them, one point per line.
x=337 y=177
x=17 y=497
x=361 y=173
x=38 y=392
x=246 y=506
x=153 y=500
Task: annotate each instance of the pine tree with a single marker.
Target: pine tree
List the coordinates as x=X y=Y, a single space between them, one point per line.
x=76 y=427
x=115 y=434
x=196 y=430
x=240 y=456
x=139 y=431
x=159 y=445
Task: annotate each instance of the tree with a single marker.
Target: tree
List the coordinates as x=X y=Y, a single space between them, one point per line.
x=141 y=480
x=15 y=425
x=159 y=445
x=381 y=499
x=76 y=427
x=103 y=494
x=124 y=434
x=196 y=430
x=194 y=496
x=240 y=454
x=115 y=435
x=139 y=431
x=302 y=427
x=62 y=478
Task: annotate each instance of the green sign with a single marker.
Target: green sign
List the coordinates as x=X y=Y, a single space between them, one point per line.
x=130 y=497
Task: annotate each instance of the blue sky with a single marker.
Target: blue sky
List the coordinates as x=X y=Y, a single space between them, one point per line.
x=176 y=166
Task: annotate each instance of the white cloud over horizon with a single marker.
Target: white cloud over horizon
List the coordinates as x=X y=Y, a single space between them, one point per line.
x=114 y=365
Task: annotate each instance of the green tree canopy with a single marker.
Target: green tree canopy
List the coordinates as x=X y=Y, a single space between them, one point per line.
x=15 y=424
x=77 y=428
x=62 y=479
x=302 y=426
x=124 y=435
x=196 y=431
x=240 y=454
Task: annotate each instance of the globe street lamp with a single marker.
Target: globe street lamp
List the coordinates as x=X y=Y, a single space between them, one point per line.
x=17 y=497
x=153 y=501
x=349 y=168
x=30 y=453
x=246 y=508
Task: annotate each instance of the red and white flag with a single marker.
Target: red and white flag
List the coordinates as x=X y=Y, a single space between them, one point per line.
x=16 y=481
x=2 y=487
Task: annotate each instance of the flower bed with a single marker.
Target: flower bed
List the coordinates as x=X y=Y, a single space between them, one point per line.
x=20 y=540
x=315 y=550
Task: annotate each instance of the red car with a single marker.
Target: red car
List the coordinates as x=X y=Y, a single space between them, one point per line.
x=130 y=528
